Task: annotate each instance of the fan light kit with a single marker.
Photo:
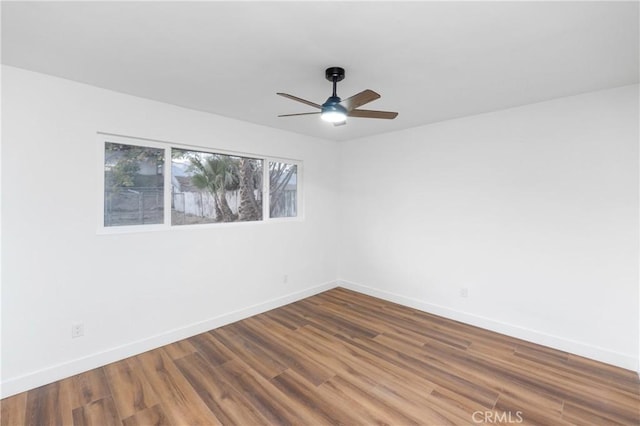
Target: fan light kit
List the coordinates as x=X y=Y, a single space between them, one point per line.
x=335 y=110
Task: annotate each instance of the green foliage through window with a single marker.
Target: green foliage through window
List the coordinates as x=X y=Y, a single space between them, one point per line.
x=134 y=185
x=210 y=187
x=200 y=187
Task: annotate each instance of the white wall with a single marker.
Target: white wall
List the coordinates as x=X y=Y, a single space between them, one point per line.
x=134 y=291
x=533 y=209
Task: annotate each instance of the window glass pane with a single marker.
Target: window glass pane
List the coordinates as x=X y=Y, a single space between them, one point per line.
x=283 y=189
x=133 y=185
x=207 y=188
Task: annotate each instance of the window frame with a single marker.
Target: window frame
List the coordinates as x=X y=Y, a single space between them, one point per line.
x=104 y=138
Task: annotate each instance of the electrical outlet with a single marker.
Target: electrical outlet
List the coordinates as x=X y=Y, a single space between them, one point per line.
x=464 y=292
x=77 y=330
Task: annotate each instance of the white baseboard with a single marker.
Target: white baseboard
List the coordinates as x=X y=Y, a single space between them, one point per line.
x=50 y=374
x=626 y=361
x=53 y=373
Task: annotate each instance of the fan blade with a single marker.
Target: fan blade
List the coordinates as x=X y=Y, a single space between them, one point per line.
x=301 y=113
x=304 y=101
x=367 y=113
x=359 y=99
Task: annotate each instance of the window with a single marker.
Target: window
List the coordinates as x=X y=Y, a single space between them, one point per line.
x=283 y=189
x=209 y=187
x=133 y=185
x=153 y=185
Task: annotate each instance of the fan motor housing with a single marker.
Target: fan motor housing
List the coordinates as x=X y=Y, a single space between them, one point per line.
x=334 y=72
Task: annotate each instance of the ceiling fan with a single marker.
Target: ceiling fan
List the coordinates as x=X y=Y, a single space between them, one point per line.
x=336 y=110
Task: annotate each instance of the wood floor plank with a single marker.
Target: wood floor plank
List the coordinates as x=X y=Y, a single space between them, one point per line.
x=179 y=349
x=554 y=383
x=357 y=316
x=14 y=410
x=440 y=360
x=287 y=319
x=603 y=374
x=299 y=389
x=211 y=349
x=180 y=401
x=266 y=397
x=543 y=414
x=288 y=355
x=274 y=326
x=359 y=366
x=371 y=408
x=101 y=412
x=339 y=357
x=130 y=390
x=409 y=324
x=70 y=398
x=419 y=407
x=152 y=416
x=54 y=403
x=249 y=353
x=341 y=324
x=428 y=370
x=42 y=406
x=228 y=405
x=454 y=405
x=92 y=386
x=524 y=396
x=575 y=414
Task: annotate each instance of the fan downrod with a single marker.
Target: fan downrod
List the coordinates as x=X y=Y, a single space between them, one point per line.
x=334 y=74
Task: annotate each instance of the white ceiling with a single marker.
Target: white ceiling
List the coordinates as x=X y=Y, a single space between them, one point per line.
x=430 y=61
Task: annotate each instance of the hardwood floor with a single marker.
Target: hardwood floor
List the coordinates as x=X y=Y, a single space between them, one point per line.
x=339 y=358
